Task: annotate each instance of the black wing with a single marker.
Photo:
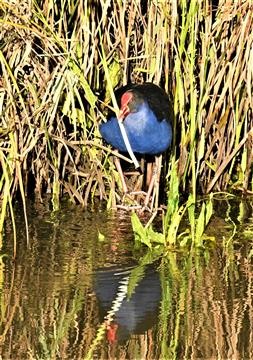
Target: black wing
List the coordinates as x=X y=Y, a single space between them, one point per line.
x=156 y=97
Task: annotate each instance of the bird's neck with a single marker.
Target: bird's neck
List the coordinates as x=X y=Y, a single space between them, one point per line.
x=143 y=111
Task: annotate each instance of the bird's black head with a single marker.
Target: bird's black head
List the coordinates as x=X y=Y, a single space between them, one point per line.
x=129 y=103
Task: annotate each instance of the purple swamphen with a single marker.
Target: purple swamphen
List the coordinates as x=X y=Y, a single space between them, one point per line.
x=146 y=112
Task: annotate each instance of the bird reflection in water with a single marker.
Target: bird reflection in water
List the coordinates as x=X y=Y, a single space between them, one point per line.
x=131 y=315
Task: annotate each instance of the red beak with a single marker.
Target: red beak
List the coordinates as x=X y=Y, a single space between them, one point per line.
x=124 y=111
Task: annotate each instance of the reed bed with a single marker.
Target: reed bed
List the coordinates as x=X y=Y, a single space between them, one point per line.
x=54 y=93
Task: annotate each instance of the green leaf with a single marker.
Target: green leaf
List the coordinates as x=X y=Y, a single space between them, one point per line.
x=244 y=160
x=101 y=237
x=144 y=235
x=200 y=225
x=185 y=241
x=137 y=226
x=155 y=236
x=174 y=224
x=173 y=194
x=191 y=212
x=89 y=95
x=114 y=72
x=140 y=231
x=209 y=209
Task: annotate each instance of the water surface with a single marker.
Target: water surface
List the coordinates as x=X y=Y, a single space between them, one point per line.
x=75 y=294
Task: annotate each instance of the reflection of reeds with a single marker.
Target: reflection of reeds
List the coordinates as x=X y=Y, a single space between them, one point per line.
x=53 y=91
x=49 y=308
x=206 y=311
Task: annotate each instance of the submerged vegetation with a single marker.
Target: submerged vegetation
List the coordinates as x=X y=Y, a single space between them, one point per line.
x=54 y=90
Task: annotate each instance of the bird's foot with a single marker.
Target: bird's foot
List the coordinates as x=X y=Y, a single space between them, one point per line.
x=145 y=208
x=129 y=207
x=134 y=200
x=139 y=201
x=140 y=193
x=134 y=196
x=129 y=201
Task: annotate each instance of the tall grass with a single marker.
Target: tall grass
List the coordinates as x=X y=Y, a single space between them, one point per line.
x=53 y=92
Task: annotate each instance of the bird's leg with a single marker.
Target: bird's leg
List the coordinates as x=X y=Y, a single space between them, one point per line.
x=141 y=177
x=158 y=160
x=150 y=188
x=121 y=175
x=154 y=183
x=149 y=173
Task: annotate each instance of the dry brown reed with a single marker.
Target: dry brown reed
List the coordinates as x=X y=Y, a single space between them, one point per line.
x=53 y=92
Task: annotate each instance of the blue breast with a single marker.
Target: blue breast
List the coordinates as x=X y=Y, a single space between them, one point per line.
x=146 y=134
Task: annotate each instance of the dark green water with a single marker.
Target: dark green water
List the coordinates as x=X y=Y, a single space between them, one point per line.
x=73 y=294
